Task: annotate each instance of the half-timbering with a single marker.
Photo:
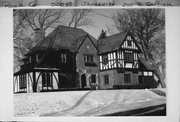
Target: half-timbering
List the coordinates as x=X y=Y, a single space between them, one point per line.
x=66 y=58
x=120 y=63
x=71 y=58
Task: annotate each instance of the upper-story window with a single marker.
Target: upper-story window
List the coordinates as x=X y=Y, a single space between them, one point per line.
x=108 y=61
x=129 y=43
x=88 y=58
x=105 y=59
x=63 y=58
x=128 y=57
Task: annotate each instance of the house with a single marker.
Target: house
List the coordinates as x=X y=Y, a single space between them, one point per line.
x=66 y=58
x=120 y=64
x=71 y=58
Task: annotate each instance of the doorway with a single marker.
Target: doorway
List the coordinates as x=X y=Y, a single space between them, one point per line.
x=83 y=80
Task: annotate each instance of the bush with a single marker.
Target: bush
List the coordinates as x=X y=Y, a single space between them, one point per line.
x=66 y=89
x=139 y=86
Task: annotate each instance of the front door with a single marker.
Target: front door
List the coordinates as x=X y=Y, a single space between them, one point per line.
x=83 y=80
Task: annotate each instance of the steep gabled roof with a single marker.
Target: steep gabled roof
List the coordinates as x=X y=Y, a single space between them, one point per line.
x=111 y=43
x=63 y=37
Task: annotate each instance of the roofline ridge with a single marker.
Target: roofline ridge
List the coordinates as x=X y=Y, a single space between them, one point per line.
x=114 y=35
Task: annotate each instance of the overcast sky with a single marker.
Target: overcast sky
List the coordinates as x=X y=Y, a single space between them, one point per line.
x=100 y=21
x=101 y=18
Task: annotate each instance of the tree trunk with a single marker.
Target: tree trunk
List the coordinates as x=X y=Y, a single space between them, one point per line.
x=161 y=77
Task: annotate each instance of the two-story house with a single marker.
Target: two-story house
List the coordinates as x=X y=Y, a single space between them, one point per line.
x=120 y=63
x=66 y=58
x=72 y=58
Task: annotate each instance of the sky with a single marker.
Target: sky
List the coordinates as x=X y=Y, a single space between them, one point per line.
x=100 y=18
x=100 y=21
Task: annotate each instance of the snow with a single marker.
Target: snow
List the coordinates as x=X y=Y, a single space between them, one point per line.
x=83 y=103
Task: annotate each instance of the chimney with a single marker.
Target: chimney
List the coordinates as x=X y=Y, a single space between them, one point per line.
x=38 y=36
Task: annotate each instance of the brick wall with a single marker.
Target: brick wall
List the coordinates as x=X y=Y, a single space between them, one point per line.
x=87 y=48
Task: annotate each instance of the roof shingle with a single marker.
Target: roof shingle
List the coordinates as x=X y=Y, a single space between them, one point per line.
x=111 y=43
x=63 y=38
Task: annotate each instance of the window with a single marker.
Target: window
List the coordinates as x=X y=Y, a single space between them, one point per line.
x=63 y=58
x=106 y=79
x=46 y=79
x=146 y=73
x=22 y=81
x=88 y=58
x=127 y=78
x=93 y=78
x=108 y=61
x=129 y=43
x=105 y=59
x=128 y=57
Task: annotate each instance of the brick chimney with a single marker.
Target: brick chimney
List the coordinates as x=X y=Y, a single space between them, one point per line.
x=38 y=35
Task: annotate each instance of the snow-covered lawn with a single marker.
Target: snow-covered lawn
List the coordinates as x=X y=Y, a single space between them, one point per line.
x=83 y=103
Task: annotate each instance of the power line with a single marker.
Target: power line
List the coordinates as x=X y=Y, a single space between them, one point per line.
x=100 y=14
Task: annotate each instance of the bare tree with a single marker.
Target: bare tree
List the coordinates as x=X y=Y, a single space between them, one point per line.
x=26 y=22
x=79 y=17
x=43 y=18
x=102 y=35
x=146 y=25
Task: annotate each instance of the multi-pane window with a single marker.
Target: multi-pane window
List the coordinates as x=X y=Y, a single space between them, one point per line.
x=106 y=79
x=108 y=61
x=88 y=58
x=127 y=78
x=22 y=81
x=93 y=78
x=128 y=57
x=63 y=58
x=147 y=73
x=105 y=59
x=129 y=43
x=46 y=79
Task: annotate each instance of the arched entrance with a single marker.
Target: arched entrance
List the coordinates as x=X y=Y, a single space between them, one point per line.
x=83 y=80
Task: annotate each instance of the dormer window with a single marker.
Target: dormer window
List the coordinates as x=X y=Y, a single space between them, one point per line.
x=63 y=58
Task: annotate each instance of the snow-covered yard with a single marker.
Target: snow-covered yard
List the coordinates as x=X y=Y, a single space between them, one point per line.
x=84 y=103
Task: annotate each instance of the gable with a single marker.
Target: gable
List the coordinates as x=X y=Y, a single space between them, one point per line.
x=87 y=46
x=61 y=37
x=129 y=43
x=111 y=43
